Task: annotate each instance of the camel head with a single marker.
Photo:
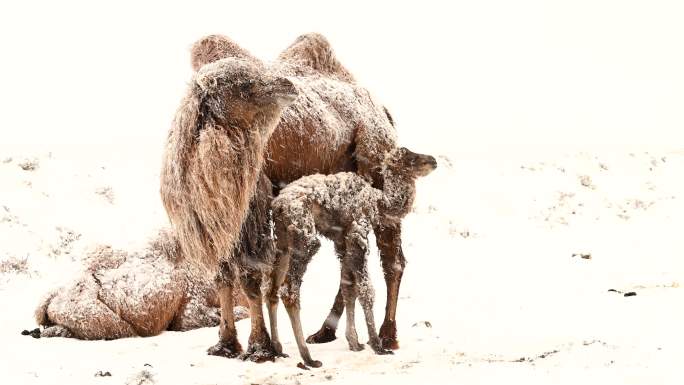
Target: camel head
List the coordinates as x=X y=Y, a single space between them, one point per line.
x=244 y=79
x=236 y=91
x=402 y=161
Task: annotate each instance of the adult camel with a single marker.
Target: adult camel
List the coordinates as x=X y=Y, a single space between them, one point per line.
x=333 y=125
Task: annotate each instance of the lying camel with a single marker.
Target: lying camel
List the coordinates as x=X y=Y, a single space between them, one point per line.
x=210 y=172
x=132 y=293
x=344 y=208
x=334 y=125
x=144 y=292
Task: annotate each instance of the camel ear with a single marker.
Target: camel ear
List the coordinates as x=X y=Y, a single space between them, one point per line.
x=283 y=91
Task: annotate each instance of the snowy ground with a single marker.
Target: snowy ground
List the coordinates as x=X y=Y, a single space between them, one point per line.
x=511 y=258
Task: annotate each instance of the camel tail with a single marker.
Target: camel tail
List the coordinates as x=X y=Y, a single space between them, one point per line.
x=41 y=315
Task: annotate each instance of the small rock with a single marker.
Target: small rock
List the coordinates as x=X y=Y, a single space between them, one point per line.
x=427 y=324
x=582 y=255
x=328 y=377
x=29 y=164
x=7 y=160
x=102 y=374
x=630 y=294
x=302 y=366
x=107 y=193
x=141 y=378
x=585 y=180
x=25 y=332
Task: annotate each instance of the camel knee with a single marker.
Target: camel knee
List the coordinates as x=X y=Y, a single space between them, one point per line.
x=289 y=294
x=251 y=288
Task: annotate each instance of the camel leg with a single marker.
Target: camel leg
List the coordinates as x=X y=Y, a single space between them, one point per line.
x=280 y=268
x=260 y=348
x=393 y=263
x=303 y=251
x=349 y=295
x=291 y=302
x=356 y=263
x=327 y=331
x=277 y=277
x=228 y=345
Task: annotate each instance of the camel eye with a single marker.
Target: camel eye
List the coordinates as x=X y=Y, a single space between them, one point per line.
x=246 y=87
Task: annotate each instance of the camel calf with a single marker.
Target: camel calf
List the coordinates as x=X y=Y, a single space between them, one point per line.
x=344 y=208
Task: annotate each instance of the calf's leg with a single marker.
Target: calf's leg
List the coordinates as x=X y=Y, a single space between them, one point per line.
x=302 y=252
x=356 y=262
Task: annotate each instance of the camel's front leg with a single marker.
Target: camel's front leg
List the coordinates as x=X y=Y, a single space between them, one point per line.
x=393 y=262
x=260 y=347
x=228 y=345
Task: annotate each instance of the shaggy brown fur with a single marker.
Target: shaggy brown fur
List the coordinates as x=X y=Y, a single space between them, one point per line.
x=251 y=265
x=344 y=208
x=334 y=125
x=215 y=151
x=126 y=294
x=213 y=161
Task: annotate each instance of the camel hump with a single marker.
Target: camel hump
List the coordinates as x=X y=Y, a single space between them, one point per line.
x=314 y=51
x=215 y=47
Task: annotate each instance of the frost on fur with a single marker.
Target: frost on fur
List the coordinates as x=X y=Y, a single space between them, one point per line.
x=333 y=125
x=215 y=151
x=344 y=208
x=131 y=293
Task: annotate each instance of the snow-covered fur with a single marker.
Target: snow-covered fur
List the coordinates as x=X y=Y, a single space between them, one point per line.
x=344 y=208
x=215 y=151
x=251 y=264
x=334 y=125
x=132 y=293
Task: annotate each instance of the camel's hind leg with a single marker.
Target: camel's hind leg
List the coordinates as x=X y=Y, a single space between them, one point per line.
x=349 y=294
x=228 y=345
x=327 y=331
x=356 y=265
x=302 y=252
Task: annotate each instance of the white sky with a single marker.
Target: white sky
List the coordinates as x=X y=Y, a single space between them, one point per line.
x=455 y=74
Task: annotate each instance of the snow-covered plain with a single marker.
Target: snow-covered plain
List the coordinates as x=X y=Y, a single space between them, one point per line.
x=496 y=289
x=557 y=127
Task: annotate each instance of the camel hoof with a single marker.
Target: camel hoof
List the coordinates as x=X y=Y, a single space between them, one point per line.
x=322 y=336
x=314 y=363
x=258 y=354
x=224 y=349
x=382 y=351
x=390 y=343
x=356 y=348
x=278 y=348
x=388 y=335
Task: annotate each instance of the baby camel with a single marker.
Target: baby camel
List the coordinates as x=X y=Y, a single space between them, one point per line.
x=342 y=207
